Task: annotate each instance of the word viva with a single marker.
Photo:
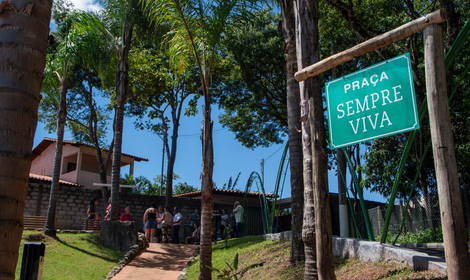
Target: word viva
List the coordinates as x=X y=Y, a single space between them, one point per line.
x=374 y=102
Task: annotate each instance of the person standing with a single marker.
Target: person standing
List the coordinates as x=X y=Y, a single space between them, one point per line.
x=126 y=216
x=224 y=222
x=93 y=215
x=91 y=211
x=176 y=224
x=158 y=232
x=166 y=220
x=195 y=218
x=238 y=211
x=108 y=211
x=150 y=221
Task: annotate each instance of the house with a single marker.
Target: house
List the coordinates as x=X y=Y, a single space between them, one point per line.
x=79 y=162
x=251 y=201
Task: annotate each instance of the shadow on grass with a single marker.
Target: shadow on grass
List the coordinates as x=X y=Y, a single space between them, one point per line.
x=403 y=271
x=238 y=242
x=92 y=240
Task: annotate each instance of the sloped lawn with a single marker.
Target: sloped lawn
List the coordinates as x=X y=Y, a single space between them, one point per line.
x=72 y=256
x=260 y=259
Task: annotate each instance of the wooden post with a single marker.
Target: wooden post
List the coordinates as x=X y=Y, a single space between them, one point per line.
x=450 y=203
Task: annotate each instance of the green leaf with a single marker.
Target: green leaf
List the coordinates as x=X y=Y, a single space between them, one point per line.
x=212 y=268
x=235 y=262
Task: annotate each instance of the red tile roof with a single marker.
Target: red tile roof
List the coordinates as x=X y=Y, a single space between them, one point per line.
x=44 y=178
x=46 y=142
x=229 y=192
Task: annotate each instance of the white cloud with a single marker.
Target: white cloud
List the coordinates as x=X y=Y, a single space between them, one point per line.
x=87 y=5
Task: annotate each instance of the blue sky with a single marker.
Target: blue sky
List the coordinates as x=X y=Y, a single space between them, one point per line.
x=230 y=156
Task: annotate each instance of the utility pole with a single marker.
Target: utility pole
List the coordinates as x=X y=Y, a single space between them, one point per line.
x=262 y=171
x=163 y=164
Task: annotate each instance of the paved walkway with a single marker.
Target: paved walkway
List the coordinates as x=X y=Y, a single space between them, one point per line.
x=159 y=261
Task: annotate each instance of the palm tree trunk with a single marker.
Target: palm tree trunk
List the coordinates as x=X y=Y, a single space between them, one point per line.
x=206 y=188
x=23 y=48
x=122 y=80
x=297 y=254
x=93 y=130
x=116 y=169
x=49 y=227
x=321 y=194
x=307 y=54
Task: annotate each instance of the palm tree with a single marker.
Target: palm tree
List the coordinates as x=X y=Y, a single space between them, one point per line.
x=304 y=57
x=316 y=231
x=23 y=48
x=197 y=29
x=296 y=156
x=126 y=16
x=97 y=50
x=62 y=58
x=78 y=47
x=117 y=23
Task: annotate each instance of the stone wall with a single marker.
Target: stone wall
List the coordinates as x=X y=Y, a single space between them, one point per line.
x=72 y=205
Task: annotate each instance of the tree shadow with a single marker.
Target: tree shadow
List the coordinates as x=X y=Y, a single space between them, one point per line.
x=237 y=242
x=404 y=270
x=92 y=241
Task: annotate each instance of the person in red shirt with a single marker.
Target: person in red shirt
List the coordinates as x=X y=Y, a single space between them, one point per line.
x=126 y=216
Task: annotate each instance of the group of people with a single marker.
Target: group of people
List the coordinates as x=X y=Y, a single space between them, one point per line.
x=94 y=215
x=161 y=225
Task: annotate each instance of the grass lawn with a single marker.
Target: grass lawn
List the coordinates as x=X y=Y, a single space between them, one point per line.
x=270 y=260
x=72 y=256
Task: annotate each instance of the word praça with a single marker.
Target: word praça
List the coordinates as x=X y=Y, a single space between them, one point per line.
x=356 y=106
x=374 y=79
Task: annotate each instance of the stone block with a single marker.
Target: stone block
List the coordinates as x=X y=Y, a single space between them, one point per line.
x=118 y=235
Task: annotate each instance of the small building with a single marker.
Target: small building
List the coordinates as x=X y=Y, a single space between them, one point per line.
x=253 y=208
x=79 y=162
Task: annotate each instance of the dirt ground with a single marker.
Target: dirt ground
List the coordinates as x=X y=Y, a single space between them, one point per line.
x=271 y=261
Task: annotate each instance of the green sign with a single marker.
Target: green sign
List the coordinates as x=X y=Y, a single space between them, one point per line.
x=374 y=102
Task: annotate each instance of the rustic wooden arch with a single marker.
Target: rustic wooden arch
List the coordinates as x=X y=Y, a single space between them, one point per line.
x=456 y=249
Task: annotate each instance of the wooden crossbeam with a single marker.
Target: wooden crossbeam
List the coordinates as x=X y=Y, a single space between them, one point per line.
x=371 y=45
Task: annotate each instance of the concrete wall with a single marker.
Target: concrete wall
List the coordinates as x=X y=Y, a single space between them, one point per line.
x=72 y=204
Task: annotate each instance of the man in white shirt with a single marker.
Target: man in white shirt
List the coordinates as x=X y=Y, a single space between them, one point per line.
x=238 y=211
x=176 y=224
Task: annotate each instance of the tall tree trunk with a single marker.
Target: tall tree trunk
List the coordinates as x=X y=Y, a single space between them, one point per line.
x=297 y=253
x=307 y=54
x=93 y=130
x=122 y=81
x=171 y=163
x=308 y=22
x=23 y=47
x=206 y=188
x=175 y=116
x=49 y=227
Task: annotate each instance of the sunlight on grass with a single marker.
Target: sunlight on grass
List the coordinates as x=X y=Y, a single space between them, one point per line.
x=74 y=256
x=269 y=260
x=220 y=254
